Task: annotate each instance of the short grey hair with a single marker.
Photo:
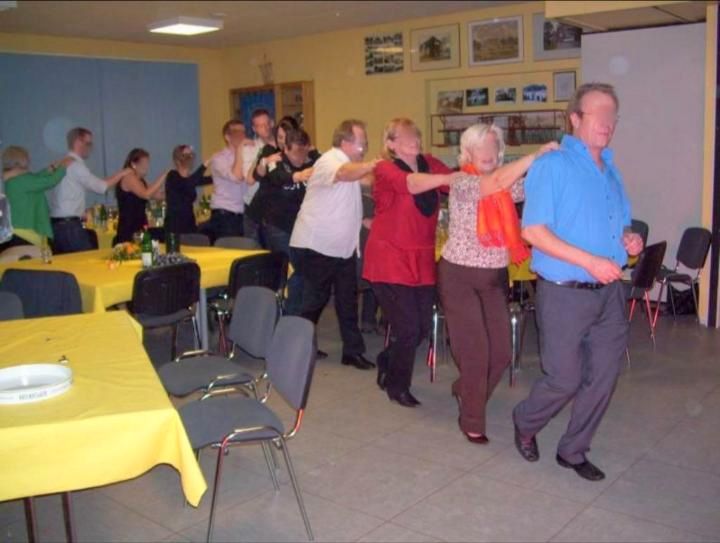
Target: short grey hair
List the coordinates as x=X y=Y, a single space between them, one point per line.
x=575 y=104
x=15 y=158
x=475 y=135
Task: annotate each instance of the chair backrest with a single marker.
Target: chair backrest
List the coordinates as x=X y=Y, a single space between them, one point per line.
x=642 y=228
x=194 y=240
x=262 y=270
x=291 y=359
x=43 y=293
x=19 y=252
x=237 y=242
x=255 y=313
x=166 y=290
x=10 y=306
x=694 y=247
x=93 y=237
x=648 y=266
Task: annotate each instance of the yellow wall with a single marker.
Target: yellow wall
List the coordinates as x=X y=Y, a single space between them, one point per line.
x=212 y=88
x=335 y=62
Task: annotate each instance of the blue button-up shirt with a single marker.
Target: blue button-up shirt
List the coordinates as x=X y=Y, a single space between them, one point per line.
x=581 y=204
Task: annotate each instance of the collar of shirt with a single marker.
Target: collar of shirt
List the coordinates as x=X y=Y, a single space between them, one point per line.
x=76 y=156
x=340 y=155
x=574 y=144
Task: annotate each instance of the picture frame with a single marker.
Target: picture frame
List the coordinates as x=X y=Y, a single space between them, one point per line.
x=495 y=41
x=534 y=93
x=553 y=40
x=477 y=97
x=505 y=95
x=564 y=84
x=384 y=53
x=435 y=48
x=450 y=101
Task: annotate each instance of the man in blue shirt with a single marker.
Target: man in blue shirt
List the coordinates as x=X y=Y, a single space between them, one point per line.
x=577 y=219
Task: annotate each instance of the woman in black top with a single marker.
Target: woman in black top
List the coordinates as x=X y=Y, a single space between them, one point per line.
x=132 y=194
x=180 y=192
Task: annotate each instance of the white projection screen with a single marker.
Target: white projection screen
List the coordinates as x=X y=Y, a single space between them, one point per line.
x=658 y=143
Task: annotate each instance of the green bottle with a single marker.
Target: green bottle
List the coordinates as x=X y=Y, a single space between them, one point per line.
x=146 y=250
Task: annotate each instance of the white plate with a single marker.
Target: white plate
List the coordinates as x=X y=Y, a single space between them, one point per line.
x=33 y=382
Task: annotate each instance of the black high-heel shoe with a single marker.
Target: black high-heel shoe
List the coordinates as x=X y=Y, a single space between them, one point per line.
x=382 y=369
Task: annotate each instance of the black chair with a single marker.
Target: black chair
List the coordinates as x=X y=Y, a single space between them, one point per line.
x=262 y=270
x=642 y=228
x=691 y=253
x=642 y=280
x=251 y=329
x=194 y=240
x=237 y=242
x=166 y=296
x=10 y=307
x=93 y=237
x=43 y=293
x=226 y=421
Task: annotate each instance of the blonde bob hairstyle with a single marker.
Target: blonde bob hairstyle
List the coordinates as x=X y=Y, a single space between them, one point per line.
x=474 y=135
x=15 y=158
x=391 y=132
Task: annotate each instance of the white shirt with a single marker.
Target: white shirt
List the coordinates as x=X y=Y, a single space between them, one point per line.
x=228 y=190
x=67 y=199
x=330 y=217
x=250 y=153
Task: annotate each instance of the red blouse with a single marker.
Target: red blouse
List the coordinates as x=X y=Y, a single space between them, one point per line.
x=401 y=245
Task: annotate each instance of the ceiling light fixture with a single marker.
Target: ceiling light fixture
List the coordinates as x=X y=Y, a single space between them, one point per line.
x=185 y=26
x=7 y=4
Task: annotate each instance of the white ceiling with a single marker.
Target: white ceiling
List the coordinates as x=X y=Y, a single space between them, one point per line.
x=244 y=22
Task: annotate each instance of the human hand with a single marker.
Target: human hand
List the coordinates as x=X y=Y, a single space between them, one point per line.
x=65 y=162
x=127 y=171
x=367 y=223
x=550 y=146
x=603 y=269
x=207 y=163
x=302 y=176
x=454 y=177
x=633 y=243
x=272 y=159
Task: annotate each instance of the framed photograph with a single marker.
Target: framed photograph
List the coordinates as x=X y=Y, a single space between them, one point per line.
x=563 y=86
x=505 y=95
x=435 y=48
x=450 y=101
x=535 y=92
x=384 y=53
x=495 y=40
x=553 y=40
x=477 y=97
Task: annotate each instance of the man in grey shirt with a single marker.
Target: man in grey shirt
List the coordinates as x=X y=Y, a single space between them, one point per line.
x=67 y=199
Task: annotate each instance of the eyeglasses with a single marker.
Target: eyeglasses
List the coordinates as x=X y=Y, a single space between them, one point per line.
x=610 y=117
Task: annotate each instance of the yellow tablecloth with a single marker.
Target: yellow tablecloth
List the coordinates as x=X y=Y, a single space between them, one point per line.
x=102 y=287
x=115 y=423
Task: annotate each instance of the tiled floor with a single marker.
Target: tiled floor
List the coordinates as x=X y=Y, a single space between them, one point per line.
x=374 y=471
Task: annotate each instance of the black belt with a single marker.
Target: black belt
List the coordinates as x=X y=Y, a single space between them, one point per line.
x=56 y=220
x=575 y=284
x=224 y=212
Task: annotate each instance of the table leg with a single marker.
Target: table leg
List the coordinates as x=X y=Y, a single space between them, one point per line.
x=30 y=521
x=202 y=318
x=68 y=517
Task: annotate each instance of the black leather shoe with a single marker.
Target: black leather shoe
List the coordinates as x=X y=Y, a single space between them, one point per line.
x=359 y=361
x=480 y=439
x=586 y=470
x=528 y=450
x=413 y=398
x=320 y=355
x=382 y=367
x=403 y=398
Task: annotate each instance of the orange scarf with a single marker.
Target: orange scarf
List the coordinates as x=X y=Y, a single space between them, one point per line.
x=497 y=222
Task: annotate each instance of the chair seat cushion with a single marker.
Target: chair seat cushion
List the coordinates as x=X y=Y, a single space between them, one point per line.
x=157 y=321
x=672 y=276
x=209 y=421
x=192 y=374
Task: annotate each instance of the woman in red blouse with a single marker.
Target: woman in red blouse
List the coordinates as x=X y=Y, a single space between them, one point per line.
x=399 y=258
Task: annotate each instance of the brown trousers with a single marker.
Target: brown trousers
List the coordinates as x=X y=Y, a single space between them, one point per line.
x=475 y=303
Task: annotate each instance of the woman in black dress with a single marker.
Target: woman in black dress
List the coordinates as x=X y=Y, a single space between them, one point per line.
x=132 y=194
x=180 y=191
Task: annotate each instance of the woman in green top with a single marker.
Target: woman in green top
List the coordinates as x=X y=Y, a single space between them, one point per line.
x=26 y=193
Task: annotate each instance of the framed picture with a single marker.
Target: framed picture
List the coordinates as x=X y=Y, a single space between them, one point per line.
x=435 y=48
x=553 y=40
x=495 y=40
x=505 y=95
x=535 y=92
x=450 y=101
x=477 y=97
x=384 y=53
x=563 y=86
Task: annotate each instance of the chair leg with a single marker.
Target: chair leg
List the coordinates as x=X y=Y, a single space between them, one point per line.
x=649 y=316
x=657 y=304
x=270 y=461
x=296 y=488
x=695 y=301
x=627 y=355
x=173 y=342
x=218 y=468
x=30 y=520
x=515 y=340
x=196 y=330
x=433 y=345
x=68 y=517
x=387 y=336
x=672 y=301
x=632 y=308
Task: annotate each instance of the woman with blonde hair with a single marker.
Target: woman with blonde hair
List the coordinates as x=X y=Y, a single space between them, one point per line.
x=180 y=190
x=484 y=235
x=399 y=259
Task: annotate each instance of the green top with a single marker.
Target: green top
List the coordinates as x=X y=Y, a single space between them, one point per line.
x=28 y=205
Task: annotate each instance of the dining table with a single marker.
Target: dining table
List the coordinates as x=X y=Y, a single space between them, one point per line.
x=114 y=423
x=104 y=284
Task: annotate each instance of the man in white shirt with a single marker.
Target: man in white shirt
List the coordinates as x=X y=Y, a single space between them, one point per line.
x=67 y=199
x=264 y=145
x=228 y=168
x=326 y=235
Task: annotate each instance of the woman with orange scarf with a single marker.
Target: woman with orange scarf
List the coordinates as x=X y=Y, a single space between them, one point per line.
x=484 y=235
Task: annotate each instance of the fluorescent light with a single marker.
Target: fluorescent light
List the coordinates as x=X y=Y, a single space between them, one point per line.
x=185 y=26
x=7 y=4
